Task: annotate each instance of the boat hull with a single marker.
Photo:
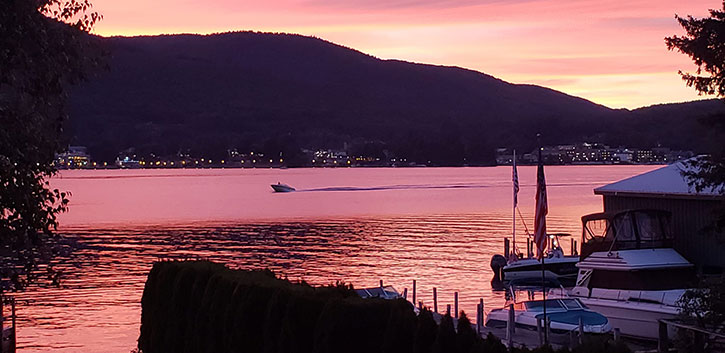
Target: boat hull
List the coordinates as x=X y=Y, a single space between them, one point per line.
x=498 y=318
x=554 y=269
x=282 y=188
x=633 y=319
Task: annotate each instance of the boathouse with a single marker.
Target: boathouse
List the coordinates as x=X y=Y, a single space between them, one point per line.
x=693 y=213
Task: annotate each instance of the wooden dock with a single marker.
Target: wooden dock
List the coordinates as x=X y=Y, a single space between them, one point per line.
x=520 y=336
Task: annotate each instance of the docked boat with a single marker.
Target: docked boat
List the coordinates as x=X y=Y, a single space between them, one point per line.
x=279 y=187
x=629 y=271
x=557 y=266
x=564 y=314
x=386 y=292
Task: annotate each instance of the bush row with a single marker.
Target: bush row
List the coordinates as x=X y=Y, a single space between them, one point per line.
x=200 y=306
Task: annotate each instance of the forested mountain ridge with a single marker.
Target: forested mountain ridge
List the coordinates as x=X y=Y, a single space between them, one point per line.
x=205 y=94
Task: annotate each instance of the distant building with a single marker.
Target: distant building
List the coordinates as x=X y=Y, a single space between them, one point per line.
x=331 y=158
x=128 y=159
x=692 y=212
x=74 y=157
x=593 y=153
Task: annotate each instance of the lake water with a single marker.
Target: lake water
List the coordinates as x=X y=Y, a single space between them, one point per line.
x=439 y=226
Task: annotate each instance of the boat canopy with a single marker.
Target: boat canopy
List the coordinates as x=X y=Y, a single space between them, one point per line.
x=630 y=229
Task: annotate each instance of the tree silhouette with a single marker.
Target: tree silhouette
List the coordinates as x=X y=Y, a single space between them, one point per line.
x=44 y=47
x=704 y=42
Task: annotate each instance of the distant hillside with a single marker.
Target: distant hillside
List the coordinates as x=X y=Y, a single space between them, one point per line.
x=280 y=92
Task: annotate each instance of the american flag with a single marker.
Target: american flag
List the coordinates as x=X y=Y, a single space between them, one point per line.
x=542 y=209
x=515 y=178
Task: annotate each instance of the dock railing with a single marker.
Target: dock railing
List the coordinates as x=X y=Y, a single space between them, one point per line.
x=702 y=338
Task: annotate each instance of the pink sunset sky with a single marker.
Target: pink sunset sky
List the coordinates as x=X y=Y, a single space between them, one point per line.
x=610 y=52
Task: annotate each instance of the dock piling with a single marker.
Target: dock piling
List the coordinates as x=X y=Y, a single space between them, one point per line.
x=506 y=248
x=581 y=331
x=617 y=334
x=483 y=313
x=405 y=293
x=663 y=342
x=478 y=318
x=14 y=342
x=414 y=288
x=448 y=309
x=510 y=326
x=547 y=332
x=540 y=331
x=455 y=303
x=572 y=246
x=435 y=300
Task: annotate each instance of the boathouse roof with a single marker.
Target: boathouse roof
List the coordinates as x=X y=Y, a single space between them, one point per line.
x=667 y=181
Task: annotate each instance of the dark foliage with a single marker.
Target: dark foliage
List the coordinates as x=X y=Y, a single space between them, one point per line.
x=199 y=306
x=706 y=305
x=445 y=341
x=594 y=344
x=465 y=335
x=425 y=332
x=44 y=48
x=704 y=43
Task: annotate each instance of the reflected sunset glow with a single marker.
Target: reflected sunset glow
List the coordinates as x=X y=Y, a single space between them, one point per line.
x=439 y=226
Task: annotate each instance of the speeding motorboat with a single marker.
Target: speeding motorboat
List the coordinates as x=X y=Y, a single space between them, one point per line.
x=564 y=314
x=279 y=187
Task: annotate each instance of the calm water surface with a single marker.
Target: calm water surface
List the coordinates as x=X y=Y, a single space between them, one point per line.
x=439 y=226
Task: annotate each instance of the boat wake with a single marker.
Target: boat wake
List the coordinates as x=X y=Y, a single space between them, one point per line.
x=396 y=187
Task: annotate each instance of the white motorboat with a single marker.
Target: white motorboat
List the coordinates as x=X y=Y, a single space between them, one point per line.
x=564 y=314
x=629 y=272
x=279 y=187
x=557 y=266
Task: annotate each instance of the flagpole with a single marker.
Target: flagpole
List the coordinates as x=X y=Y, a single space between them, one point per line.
x=543 y=256
x=515 y=177
x=540 y=236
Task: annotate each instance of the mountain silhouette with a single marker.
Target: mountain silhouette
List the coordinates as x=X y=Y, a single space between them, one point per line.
x=206 y=94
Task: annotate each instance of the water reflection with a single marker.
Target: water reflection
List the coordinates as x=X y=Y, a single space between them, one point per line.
x=122 y=221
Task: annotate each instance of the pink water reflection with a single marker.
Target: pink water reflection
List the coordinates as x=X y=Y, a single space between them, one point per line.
x=439 y=226
x=135 y=197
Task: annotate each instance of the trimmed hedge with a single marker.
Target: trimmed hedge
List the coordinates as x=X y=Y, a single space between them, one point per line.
x=200 y=306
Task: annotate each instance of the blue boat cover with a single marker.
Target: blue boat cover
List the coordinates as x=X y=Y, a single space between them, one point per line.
x=572 y=317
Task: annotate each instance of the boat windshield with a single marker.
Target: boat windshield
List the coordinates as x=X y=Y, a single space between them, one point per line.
x=538 y=305
x=572 y=304
x=637 y=229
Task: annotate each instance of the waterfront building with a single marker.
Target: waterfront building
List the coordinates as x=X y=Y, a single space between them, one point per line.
x=74 y=157
x=693 y=213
